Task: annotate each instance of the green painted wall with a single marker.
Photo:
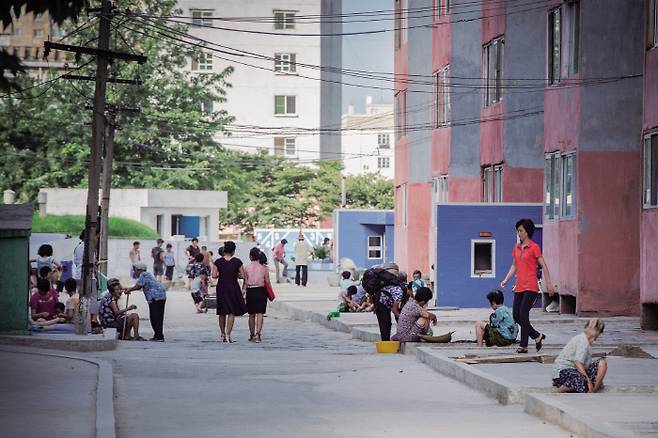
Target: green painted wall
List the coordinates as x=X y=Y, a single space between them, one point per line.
x=14 y=279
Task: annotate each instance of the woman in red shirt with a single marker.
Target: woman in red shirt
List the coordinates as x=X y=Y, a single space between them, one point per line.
x=526 y=256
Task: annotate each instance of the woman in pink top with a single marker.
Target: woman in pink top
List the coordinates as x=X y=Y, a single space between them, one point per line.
x=258 y=276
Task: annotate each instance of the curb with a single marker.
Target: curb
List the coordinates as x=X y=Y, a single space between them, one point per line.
x=551 y=410
x=505 y=392
x=65 y=342
x=105 y=419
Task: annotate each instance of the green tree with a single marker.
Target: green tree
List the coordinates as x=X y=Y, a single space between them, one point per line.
x=45 y=133
x=369 y=191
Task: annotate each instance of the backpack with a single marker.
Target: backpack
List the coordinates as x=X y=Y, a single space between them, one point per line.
x=374 y=279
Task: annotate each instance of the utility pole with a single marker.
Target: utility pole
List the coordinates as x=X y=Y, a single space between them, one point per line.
x=97 y=136
x=91 y=239
x=107 y=183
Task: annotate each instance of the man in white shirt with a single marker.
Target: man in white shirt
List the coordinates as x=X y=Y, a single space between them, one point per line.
x=302 y=252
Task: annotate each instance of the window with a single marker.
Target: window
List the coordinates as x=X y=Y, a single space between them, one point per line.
x=285 y=105
x=285 y=146
x=159 y=221
x=401 y=27
x=498 y=183
x=650 y=157
x=201 y=17
x=402 y=212
x=652 y=23
x=573 y=12
x=492 y=183
x=401 y=113
x=203 y=62
x=440 y=188
x=285 y=63
x=284 y=20
x=568 y=185
x=442 y=97
x=383 y=162
x=560 y=185
x=37 y=33
x=551 y=184
x=493 y=70
x=375 y=247
x=441 y=7
x=483 y=258
x=207 y=106
x=554 y=45
x=384 y=141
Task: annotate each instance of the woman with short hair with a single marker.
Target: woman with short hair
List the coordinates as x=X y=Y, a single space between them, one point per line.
x=415 y=319
x=526 y=257
x=230 y=301
x=574 y=370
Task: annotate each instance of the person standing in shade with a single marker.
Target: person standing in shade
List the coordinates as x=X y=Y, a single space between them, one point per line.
x=156 y=297
x=526 y=257
x=170 y=264
x=279 y=256
x=230 y=301
x=302 y=252
x=192 y=251
x=134 y=256
x=157 y=253
x=259 y=278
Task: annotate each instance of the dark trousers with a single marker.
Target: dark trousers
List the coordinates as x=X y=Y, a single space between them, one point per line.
x=156 y=311
x=304 y=269
x=523 y=302
x=383 y=314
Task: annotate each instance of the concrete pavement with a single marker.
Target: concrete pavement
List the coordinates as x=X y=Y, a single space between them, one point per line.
x=633 y=380
x=303 y=380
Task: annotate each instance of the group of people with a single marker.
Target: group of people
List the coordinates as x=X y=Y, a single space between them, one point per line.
x=303 y=251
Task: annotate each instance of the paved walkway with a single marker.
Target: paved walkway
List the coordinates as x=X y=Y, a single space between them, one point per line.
x=631 y=381
x=46 y=396
x=303 y=380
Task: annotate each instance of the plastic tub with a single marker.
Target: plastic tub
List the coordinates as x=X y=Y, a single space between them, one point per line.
x=387 y=346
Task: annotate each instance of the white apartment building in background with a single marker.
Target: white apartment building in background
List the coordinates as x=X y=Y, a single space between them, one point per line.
x=280 y=98
x=368 y=140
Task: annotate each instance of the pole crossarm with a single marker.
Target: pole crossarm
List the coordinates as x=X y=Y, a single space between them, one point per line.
x=109 y=54
x=111 y=80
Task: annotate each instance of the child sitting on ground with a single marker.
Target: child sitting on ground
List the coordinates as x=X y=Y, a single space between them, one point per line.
x=199 y=291
x=346 y=303
x=501 y=329
x=346 y=281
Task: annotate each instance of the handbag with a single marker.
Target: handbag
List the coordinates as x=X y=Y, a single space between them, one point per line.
x=269 y=291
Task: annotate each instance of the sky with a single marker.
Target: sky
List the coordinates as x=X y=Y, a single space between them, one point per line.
x=367 y=52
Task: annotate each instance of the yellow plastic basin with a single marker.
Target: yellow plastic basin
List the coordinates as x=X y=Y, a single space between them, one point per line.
x=387 y=346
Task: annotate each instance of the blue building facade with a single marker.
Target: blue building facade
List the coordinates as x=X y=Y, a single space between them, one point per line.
x=365 y=236
x=474 y=249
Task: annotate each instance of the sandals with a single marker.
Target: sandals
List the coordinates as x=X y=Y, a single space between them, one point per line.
x=538 y=344
x=522 y=350
x=252 y=337
x=224 y=339
x=231 y=341
x=139 y=338
x=257 y=340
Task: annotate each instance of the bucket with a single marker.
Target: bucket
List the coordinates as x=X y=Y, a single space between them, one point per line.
x=387 y=346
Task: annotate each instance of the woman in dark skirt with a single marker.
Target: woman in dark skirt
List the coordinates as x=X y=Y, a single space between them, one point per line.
x=258 y=277
x=230 y=301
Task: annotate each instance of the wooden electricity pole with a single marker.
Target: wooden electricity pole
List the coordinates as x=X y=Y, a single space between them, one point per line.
x=97 y=136
x=91 y=239
x=107 y=183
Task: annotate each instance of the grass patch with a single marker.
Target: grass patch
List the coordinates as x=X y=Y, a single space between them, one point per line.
x=73 y=224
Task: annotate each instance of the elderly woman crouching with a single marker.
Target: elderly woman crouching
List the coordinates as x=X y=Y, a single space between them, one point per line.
x=574 y=370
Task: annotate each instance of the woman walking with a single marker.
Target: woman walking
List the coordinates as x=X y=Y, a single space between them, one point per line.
x=258 y=276
x=526 y=257
x=230 y=301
